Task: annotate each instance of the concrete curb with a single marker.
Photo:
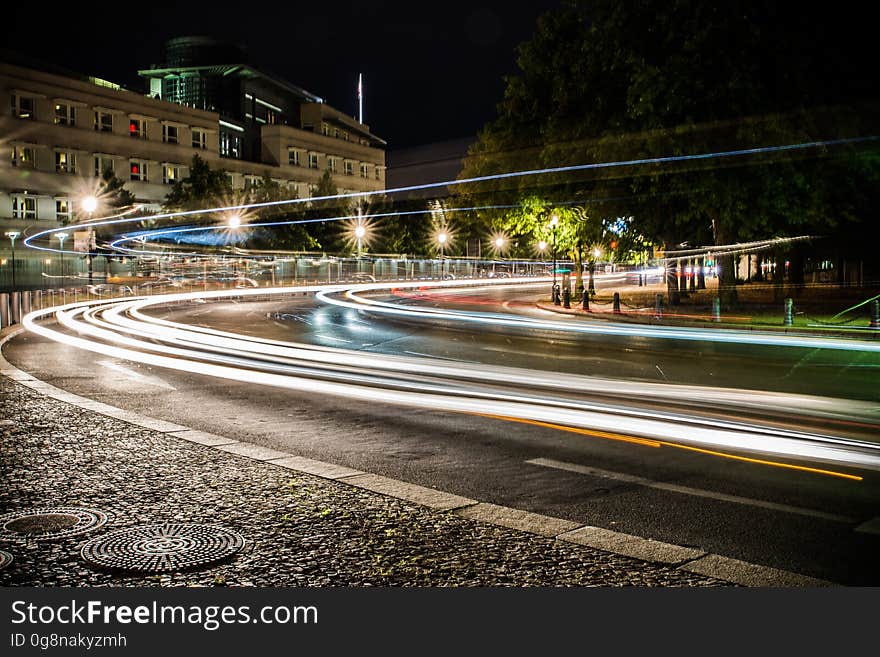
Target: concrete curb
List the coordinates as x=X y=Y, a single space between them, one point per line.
x=645 y=549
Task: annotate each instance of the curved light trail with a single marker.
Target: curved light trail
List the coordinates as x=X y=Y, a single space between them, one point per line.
x=667 y=159
x=121 y=328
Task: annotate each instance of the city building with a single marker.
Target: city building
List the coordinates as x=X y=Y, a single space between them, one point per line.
x=60 y=131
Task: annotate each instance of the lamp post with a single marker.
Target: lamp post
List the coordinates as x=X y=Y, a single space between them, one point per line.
x=234 y=223
x=13 y=235
x=61 y=237
x=499 y=245
x=554 y=221
x=89 y=204
x=359 y=232
x=542 y=246
x=442 y=239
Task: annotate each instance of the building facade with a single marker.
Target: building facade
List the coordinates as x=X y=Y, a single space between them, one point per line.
x=59 y=132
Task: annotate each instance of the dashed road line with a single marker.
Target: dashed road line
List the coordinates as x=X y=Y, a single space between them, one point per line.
x=687 y=490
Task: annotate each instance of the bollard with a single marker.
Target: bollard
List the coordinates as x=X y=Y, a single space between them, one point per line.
x=586 y=300
x=25 y=302
x=787 y=317
x=640 y=280
x=4 y=309
x=716 y=309
x=16 y=308
x=566 y=297
x=616 y=306
x=658 y=306
x=875 y=314
x=556 y=294
x=38 y=301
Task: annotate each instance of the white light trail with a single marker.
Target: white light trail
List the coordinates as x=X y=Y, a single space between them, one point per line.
x=120 y=329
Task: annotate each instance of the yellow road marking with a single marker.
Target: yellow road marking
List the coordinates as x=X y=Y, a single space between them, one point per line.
x=647 y=442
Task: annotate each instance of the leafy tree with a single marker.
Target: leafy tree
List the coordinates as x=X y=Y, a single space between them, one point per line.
x=204 y=187
x=610 y=82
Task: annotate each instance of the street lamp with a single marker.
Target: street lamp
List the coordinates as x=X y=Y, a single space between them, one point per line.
x=554 y=221
x=61 y=237
x=360 y=232
x=442 y=239
x=89 y=204
x=13 y=235
x=498 y=243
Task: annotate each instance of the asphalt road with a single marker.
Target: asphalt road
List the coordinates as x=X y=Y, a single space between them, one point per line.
x=793 y=520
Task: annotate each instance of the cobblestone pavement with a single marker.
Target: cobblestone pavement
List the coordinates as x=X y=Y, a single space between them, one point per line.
x=300 y=530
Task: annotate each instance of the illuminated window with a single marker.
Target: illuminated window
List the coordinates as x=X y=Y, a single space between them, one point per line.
x=65 y=162
x=230 y=145
x=325 y=129
x=170 y=173
x=251 y=182
x=170 y=134
x=363 y=170
x=293 y=157
x=331 y=163
x=138 y=169
x=199 y=138
x=103 y=164
x=313 y=160
x=65 y=114
x=62 y=209
x=378 y=173
x=23 y=107
x=24 y=157
x=24 y=207
x=137 y=128
x=349 y=168
x=103 y=121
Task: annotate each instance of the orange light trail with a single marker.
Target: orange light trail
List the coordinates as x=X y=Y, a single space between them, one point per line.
x=647 y=442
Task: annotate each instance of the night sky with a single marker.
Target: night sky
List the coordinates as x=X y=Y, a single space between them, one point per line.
x=432 y=71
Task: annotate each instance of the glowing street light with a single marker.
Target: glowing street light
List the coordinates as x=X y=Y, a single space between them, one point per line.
x=234 y=221
x=89 y=204
x=442 y=240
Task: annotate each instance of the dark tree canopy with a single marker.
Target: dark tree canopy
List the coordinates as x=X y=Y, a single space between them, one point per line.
x=607 y=81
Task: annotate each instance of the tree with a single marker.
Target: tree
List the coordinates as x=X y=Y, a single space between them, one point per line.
x=286 y=235
x=607 y=83
x=204 y=187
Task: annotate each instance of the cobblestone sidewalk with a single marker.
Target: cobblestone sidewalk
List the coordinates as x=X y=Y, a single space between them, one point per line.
x=300 y=530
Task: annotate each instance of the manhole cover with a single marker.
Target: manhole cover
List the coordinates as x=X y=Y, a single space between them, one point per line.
x=47 y=524
x=162 y=548
x=5 y=559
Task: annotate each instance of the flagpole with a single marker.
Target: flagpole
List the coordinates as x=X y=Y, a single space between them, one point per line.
x=360 y=98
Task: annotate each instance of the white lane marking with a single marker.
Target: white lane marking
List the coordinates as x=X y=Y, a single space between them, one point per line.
x=416 y=353
x=330 y=337
x=136 y=376
x=686 y=490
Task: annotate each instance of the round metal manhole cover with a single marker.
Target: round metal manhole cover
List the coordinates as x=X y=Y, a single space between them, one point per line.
x=5 y=559
x=162 y=548
x=49 y=524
